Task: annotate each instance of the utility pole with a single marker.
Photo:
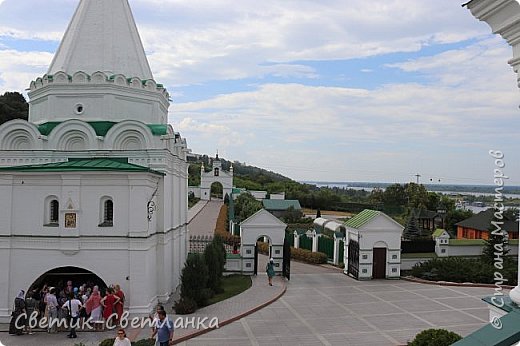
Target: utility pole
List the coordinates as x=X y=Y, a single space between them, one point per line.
x=417 y=176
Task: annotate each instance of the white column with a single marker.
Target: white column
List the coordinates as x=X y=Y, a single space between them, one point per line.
x=336 y=250
x=314 y=242
x=296 y=240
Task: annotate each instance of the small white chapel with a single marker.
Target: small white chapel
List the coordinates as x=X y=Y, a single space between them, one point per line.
x=95 y=182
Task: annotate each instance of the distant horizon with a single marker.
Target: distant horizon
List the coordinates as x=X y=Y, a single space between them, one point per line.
x=390 y=183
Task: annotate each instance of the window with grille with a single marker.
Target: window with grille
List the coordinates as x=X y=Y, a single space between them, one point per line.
x=54 y=212
x=107 y=213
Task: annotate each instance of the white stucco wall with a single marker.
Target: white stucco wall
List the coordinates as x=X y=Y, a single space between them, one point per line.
x=150 y=253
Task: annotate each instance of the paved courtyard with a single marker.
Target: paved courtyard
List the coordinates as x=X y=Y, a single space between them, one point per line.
x=324 y=307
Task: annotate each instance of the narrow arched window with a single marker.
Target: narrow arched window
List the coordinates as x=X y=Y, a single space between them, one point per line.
x=107 y=212
x=216 y=172
x=54 y=211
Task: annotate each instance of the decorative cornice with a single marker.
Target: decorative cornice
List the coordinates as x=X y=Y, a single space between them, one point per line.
x=98 y=78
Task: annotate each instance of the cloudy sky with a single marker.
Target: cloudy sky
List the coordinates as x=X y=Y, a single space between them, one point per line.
x=332 y=90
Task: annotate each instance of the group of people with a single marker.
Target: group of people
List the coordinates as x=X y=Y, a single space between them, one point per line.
x=75 y=304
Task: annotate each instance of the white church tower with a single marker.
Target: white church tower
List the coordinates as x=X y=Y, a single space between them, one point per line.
x=95 y=182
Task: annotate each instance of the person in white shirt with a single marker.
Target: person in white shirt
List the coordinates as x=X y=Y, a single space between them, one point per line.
x=72 y=305
x=121 y=339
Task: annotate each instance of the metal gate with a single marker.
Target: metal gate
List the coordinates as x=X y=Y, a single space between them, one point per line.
x=286 y=265
x=353 y=258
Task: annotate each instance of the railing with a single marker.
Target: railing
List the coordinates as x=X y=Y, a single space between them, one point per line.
x=305 y=242
x=326 y=245
x=198 y=243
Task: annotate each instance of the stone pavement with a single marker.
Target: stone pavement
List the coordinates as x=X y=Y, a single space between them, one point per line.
x=325 y=307
x=193 y=211
x=202 y=217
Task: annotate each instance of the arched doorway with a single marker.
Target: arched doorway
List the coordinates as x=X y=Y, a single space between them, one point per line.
x=263 y=245
x=216 y=191
x=58 y=278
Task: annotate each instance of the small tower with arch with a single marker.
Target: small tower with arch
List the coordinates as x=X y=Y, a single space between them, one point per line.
x=218 y=178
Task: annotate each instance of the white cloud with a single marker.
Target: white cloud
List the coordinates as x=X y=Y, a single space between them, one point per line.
x=468 y=106
x=195 y=41
x=18 y=69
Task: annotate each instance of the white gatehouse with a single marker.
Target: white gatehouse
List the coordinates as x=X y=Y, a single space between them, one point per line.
x=260 y=226
x=215 y=176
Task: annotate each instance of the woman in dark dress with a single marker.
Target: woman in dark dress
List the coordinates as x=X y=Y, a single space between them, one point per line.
x=18 y=323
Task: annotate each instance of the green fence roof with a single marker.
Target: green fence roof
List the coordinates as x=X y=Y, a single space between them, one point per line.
x=362 y=218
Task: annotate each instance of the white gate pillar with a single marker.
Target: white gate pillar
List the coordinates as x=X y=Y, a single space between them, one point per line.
x=296 y=240
x=315 y=241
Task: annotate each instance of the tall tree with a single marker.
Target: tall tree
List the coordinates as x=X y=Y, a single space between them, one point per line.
x=13 y=106
x=411 y=231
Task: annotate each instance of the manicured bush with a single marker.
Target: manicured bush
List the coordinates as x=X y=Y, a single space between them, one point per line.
x=194 y=279
x=303 y=255
x=144 y=342
x=107 y=342
x=308 y=256
x=185 y=306
x=221 y=229
x=215 y=257
x=435 y=337
x=458 y=269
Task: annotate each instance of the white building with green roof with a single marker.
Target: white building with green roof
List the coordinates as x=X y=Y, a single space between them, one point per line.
x=95 y=182
x=373 y=246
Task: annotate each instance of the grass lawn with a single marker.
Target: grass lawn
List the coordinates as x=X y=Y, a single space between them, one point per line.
x=232 y=285
x=192 y=201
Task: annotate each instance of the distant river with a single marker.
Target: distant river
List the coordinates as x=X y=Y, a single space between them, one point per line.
x=369 y=189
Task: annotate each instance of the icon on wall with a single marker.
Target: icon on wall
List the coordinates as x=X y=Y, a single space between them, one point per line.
x=70 y=220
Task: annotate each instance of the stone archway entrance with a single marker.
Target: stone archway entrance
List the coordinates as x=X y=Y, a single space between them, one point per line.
x=216 y=191
x=259 y=248
x=59 y=276
x=259 y=225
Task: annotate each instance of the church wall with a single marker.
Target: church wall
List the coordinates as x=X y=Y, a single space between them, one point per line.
x=30 y=258
x=6 y=196
x=5 y=263
x=106 y=101
x=85 y=192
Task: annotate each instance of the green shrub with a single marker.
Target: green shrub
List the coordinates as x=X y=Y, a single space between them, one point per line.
x=185 y=306
x=194 y=279
x=144 y=342
x=435 y=337
x=458 y=269
x=308 y=256
x=107 y=342
x=303 y=255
